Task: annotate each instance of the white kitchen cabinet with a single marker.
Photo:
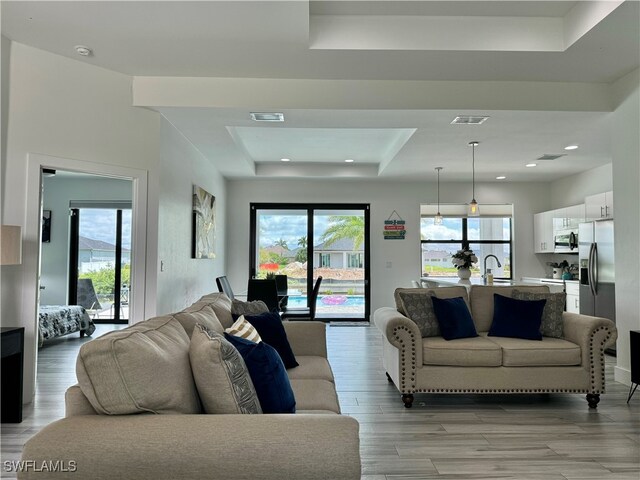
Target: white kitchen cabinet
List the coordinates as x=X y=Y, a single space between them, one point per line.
x=599 y=206
x=568 y=218
x=573 y=297
x=543 y=232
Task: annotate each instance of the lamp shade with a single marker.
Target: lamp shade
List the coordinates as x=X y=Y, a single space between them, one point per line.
x=11 y=245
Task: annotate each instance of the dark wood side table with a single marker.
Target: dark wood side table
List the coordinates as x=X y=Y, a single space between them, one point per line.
x=12 y=370
x=634 y=352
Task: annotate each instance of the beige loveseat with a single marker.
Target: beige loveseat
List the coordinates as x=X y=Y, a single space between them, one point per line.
x=315 y=443
x=488 y=364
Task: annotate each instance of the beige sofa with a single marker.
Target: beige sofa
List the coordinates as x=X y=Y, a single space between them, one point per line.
x=487 y=364
x=315 y=443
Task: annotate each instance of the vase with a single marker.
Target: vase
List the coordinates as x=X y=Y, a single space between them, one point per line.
x=464 y=273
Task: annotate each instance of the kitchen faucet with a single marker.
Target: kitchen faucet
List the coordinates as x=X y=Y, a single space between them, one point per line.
x=485 y=264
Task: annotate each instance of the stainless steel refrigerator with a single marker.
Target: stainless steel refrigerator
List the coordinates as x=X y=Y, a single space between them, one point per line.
x=597 y=270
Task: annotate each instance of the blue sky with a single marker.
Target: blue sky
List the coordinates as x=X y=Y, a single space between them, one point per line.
x=100 y=224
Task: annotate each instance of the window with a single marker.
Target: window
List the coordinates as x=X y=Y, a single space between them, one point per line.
x=355 y=260
x=325 y=260
x=487 y=235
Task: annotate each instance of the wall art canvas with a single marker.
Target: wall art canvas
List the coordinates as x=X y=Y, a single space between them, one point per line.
x=204 y=224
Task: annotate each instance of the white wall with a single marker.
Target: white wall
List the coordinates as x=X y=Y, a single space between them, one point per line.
x=184 y=279
x=626 y=197
x=384 y=197
x=69 y=109
x=57 y=192
x=571 y=190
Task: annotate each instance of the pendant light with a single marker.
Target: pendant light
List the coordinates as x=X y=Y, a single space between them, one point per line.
x=474 y=209
x=437 y=220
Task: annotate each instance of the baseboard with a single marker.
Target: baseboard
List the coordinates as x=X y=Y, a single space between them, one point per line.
x=622 y=375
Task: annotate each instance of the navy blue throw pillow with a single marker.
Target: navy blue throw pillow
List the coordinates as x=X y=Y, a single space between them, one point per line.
x=268 y=375
x=454 y=318
x=516 y=318
x=270 y=328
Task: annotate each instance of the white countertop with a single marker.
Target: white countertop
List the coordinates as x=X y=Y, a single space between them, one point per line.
x=475 y=281
x=547 y=280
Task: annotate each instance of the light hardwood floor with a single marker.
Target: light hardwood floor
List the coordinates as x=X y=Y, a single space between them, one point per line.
x=442 y=437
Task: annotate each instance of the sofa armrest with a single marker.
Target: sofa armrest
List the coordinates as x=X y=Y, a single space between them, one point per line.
x=403 y=334
x=307 y=338
x=101 y=447
x=593 y=335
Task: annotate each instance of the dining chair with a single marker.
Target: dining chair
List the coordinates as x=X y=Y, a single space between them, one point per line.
x=283 y=290
x=225 y=287
x=265 y=290
x=308 y=312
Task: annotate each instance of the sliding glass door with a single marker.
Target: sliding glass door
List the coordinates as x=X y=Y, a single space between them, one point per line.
x=338 y=251
x=100 y=262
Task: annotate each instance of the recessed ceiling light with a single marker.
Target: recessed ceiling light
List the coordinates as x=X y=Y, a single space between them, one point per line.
x=82 y=50
x=500 y=177
x=285 y=159
x=349 y=160
x=267 y=116
x=571 y=147
x=529 y=165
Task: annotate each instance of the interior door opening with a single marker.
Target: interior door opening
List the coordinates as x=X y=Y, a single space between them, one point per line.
x=305 y=241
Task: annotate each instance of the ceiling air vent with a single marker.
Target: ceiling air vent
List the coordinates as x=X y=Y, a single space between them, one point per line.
x=468 y=120
x=551 y=156
x=267 y=116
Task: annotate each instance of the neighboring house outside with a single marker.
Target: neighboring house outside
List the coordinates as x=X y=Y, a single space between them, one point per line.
x=339 y=254
x=435 y=258
x=94 y=255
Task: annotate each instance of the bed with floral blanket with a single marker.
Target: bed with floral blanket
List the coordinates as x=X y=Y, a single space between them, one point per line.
x=58 y=320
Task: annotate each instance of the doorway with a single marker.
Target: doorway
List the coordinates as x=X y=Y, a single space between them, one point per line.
x=305 y=241
x=88 y=243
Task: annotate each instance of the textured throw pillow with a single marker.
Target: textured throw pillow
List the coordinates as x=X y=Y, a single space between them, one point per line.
x=268 y=375
x=269 y=326
x=256 y=307
x=454 y=318
x=243 y=329
x=516 y=318
x=419 y=308
x=552 y=324
x=221 y=376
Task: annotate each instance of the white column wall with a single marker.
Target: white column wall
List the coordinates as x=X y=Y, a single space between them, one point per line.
x=183 y=279
x=626 y=198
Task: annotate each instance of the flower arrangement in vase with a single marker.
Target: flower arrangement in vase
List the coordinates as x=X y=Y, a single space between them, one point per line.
x=463 y=260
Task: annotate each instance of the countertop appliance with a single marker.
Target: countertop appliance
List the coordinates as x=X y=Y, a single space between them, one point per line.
x=565 y=241
x=597 y=270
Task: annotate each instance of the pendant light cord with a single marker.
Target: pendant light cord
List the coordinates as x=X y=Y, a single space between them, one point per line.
x=473 y=168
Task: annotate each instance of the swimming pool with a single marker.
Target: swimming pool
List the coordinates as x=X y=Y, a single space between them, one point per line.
x=301 y=301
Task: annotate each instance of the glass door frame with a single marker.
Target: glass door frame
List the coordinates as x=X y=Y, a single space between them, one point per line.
x=74 y=250
x=310 y=208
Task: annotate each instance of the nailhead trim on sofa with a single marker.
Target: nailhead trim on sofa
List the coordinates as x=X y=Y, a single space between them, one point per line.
x=405 y=389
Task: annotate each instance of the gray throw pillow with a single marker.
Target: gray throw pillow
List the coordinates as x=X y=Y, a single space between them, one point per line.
x=221 y=376
x=419 y=308
x=256 y=307
x=552 y=325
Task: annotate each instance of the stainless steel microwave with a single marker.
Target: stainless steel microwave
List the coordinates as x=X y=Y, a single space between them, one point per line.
x=565 y=242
